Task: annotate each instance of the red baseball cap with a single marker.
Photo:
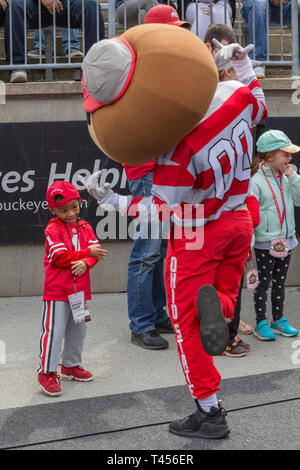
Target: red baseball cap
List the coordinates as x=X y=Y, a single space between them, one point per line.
x=65 y=189
x=165 y=14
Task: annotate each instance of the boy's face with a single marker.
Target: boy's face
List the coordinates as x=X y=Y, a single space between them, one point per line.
x=68 y=213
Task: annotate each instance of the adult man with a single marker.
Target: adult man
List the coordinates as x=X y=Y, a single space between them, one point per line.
x=146 y=296
x=259 y=9
x=14 y=24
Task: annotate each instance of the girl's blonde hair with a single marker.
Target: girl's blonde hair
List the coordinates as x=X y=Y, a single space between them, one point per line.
x=261 y=157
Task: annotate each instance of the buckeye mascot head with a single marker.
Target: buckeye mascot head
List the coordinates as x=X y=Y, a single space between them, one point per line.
x=145 y=90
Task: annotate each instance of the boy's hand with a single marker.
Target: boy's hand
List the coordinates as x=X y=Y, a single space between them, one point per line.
x=97 y=252
x=93 y=187
x=78 y=267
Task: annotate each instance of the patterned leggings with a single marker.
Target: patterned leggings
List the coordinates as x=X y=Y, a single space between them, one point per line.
x=275 y=270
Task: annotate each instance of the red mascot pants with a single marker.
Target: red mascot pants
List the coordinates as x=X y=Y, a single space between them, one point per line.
x=220 y=263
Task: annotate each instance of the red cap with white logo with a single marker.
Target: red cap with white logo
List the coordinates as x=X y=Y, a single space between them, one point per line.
x=165 y=14
x=63 y=188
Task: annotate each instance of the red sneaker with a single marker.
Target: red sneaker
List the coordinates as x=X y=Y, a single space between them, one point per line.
x=50 y=384
x=76 y=373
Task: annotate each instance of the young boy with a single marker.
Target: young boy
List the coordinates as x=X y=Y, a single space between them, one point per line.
x=71 y=250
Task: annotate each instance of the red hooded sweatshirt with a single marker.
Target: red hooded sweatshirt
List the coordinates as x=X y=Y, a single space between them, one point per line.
x=64 y=244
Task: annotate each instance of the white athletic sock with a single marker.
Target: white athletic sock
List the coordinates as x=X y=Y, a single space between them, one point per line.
x=208 y=402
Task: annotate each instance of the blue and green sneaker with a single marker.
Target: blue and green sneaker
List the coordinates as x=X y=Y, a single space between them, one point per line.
x=262 y=331
x=282 y=327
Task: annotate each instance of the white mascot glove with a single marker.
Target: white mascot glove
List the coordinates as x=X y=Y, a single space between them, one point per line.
x=93 y=187
x=229 y=54
x=235 y=56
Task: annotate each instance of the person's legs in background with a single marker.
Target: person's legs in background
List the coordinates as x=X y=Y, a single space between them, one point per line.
x=265 y=265
x=279 y=324
x=257 y=31
x=236 y=347
x=93 y=20
x=204 y=17
x=159 y=292
x=145 y=287
x=287 y=18
x=74 y=44
x=2 y=15
x=14 y=23
x=133 y=12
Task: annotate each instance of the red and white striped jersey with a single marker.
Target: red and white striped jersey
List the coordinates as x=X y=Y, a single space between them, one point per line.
x=70 y=243
x=209 y=170
x=211 y=166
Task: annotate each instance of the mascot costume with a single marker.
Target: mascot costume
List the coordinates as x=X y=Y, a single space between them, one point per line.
x=146 y=89
x=154 y=93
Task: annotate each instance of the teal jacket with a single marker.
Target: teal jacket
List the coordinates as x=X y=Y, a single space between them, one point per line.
x=269 y=226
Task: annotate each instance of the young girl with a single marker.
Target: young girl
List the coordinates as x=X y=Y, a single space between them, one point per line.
x=277 y=188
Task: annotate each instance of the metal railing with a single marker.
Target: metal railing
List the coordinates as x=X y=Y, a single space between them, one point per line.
x=113 y=28
x=50 y=30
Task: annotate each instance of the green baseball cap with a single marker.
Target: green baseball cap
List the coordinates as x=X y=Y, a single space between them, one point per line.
x=275 y=140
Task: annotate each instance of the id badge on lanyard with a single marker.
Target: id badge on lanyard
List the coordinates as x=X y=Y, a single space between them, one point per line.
x=79 y=307
x=279 y=247
x=77 y=301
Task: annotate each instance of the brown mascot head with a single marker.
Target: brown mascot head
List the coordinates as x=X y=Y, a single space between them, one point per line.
x=145 y=90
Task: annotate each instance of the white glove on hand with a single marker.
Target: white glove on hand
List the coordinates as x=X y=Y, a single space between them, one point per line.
x=231 y=53
x=93 y=188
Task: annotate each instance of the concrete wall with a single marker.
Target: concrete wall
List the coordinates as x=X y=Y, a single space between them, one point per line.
x=21 y=267
x=22 y=273
x=63 y=101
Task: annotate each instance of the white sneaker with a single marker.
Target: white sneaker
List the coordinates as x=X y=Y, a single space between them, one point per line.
x=18 y=76
x=259 y=71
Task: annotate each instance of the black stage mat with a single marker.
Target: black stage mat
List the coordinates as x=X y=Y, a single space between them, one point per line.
x=263 y=413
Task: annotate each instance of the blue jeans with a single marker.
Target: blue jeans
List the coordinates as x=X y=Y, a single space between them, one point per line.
x=146 y=295
x=2 y=14
x=74 y=43
x=261 y=25
x=32 y=20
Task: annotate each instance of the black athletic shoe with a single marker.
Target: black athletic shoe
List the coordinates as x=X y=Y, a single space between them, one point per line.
x=165 y=326
x=212 y=425
x=214 y=331
x=149 y=340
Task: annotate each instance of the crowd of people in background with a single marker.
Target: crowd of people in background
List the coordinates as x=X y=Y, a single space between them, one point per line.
x=129 y=13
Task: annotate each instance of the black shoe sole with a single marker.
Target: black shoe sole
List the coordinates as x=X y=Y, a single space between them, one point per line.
x=214 y=332
x=140 y=343
x=197 y=434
